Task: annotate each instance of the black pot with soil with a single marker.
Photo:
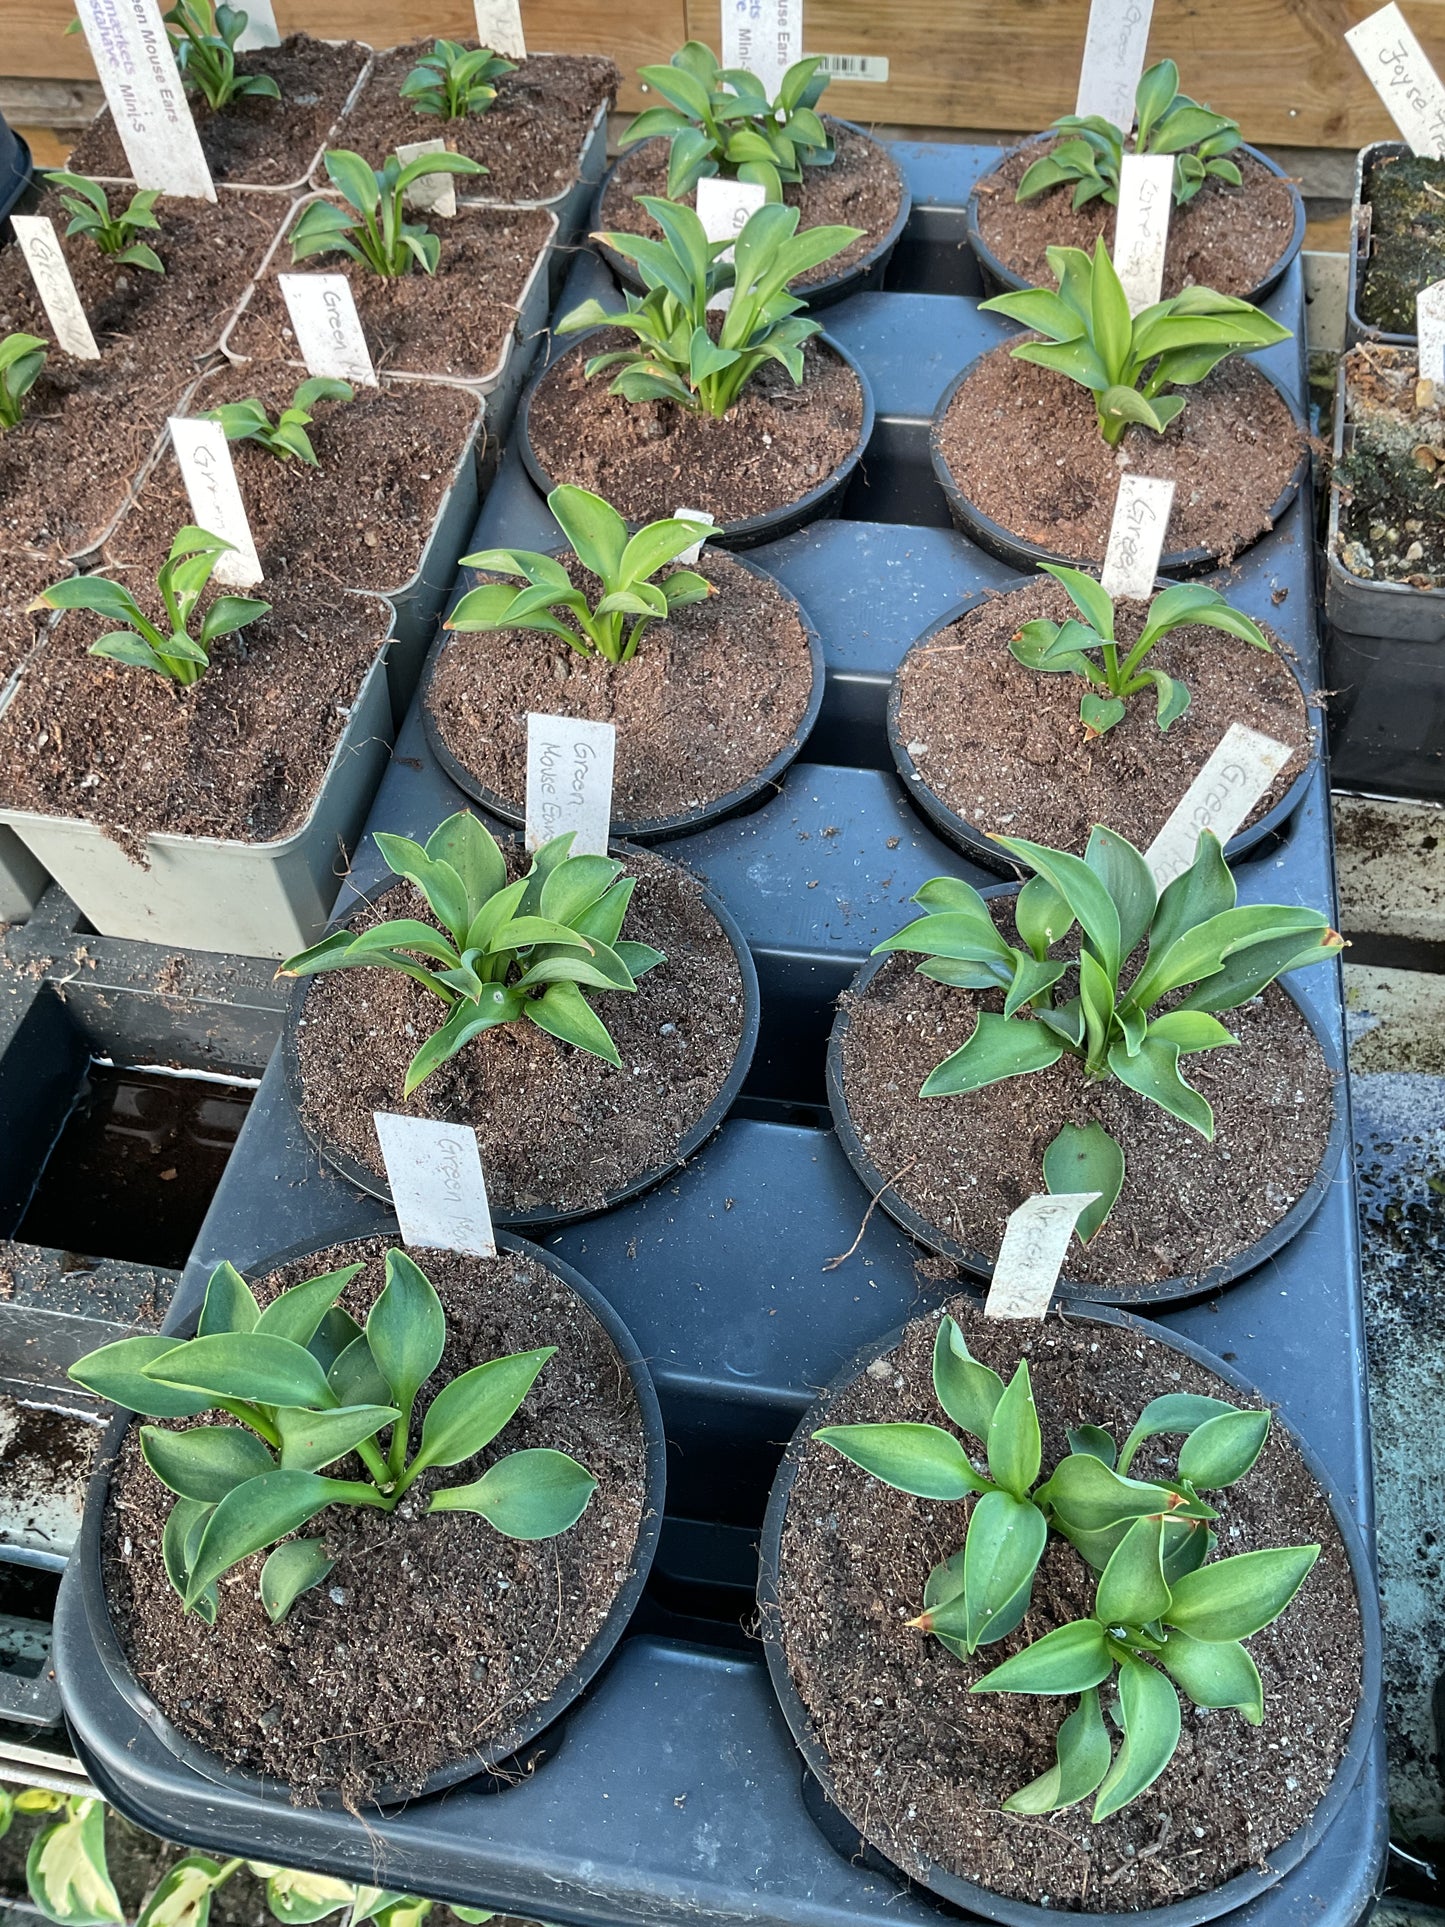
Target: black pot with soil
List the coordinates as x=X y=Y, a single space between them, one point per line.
x=1397 y=241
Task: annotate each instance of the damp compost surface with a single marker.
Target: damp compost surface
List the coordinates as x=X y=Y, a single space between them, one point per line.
x=1406 y=198
x=23 y=574
x=1392 y=475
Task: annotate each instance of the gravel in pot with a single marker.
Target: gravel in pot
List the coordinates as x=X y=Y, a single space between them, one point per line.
x=1390 y=524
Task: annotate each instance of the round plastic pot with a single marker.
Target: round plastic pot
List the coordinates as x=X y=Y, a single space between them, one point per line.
x=644 y=829
x=980 y=1901
x=1026 y=555
x=750 y=530
x=88 y=1564
x=14 y=167
x=865 y=273
x=1169 y=1291
x=540 y=1217
x=982 y=849
x=999 y=279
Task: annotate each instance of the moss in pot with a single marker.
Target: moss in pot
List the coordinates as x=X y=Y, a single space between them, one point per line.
x=1393 y=470
x=1405 y=196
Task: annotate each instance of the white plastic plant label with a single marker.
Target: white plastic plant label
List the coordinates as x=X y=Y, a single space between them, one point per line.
x=499 y=26
x=261 y=29
x=45 y=259
x=209 y=474
x=1219 y=799
x=691 y=556
x=1141 y=226
x=1430 y=326
x=132 y=55
x=723 y=207
x=433 y=193
x=765 y=36
x=1136 y=536
x=327 y=326
x=569 y=782
x=1032 y=1253
x=1399 y=70
x=1114 y=45
x=437 y=1188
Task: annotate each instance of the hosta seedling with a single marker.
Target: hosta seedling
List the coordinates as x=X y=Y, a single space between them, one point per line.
x=309 y=1385
x=181 y=581
x=676 y=357
x=453 y=82
x=532 y=949
x=1167 y=122
x=88 y=206
x=248 y=421
x=1197 y=935
x=1071 y=647
x=203 y=37
x=719 y=120
x=22 y=357
x=375 y=232
x=630 y=601
x=1125 y=360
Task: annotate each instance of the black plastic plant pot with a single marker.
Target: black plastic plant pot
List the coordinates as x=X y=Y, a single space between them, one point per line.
x=1000 y=279
x=865 y=273
x=750 y=530
x=1026 y=556
x=1168 y=1291
x=14 y=168
x=980 y=1901
x=652 y=829
x=1361 y=242
x=541 y=1217
x=527 y=1738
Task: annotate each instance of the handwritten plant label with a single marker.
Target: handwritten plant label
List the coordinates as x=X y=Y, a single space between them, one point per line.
x=1136 y=536
x=209 y=474
x=261 y=29
x=132 y=55
x=1141 y=226
x=872 y=67
x=723 y=207
x=569 y=782
x=433 y=193
x=46 y=261
x=327 y=326
x=1219 y=799
x=690 y=556
x=765 y=36
x=1430 y=326
x=499 y=26
x=1032 y=1253
x=434 y=1171
x=1399 y=70
x=1114 y=44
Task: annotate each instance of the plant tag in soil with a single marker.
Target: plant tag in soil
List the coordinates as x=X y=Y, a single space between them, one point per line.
x=261 y=29
x=328 y=328
x=45 y=259
x=569 y=782
x=765 y=36
x=499 y=26
x=209 y=474
x=435 y=1174
x=1032 y=1253
x=1114 y=44
x=1219 y=799
x=872 y=67
x=1430 y=326
x=723 y=208
x=690 y=557
x=433 y=193
x=132 y=54
x=1141 y=226
x=1399 y=70
x=1136 y=536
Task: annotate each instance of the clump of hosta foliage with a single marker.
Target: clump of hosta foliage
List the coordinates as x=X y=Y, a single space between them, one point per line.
x=1199 y=941
x=1166 y=1615
x=309 y=1385
x=532 y=949
x=22 y=357
x=375 y=231
x=453 y=82
x=248 y=421
x=203 y=38
x=719 y=120
x=1167 y=122
x=88 y=205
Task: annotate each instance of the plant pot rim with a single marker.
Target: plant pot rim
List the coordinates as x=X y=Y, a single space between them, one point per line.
x=1024 y=554
x=1004 y=277
x=1243 y=1887
x=1361 y=230
x=980 y=848
x=200 y=1759
x=1169 y=1291
x=543 y=1218
x=642 y=829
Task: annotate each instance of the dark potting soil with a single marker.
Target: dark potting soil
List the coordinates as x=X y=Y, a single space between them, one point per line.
x=1406 y=196
x=863 y=188
x=1022 y=444
x=254 y=141
x=557 y=1126
x=23 y=574
x=922 y=1765
x=1002 y=746
x=1392 y=528
x=712 y=695
x=529 y=140
x=45 y=1458
x=651 y=458
x=964 y=1163
x=1226 y=238
x=430 y=1637
x=455 y=322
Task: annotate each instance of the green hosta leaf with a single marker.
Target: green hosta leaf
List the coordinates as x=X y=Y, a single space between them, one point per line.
x=244 y=1365
x=1088 y=596
x=471 y=852
x=921 y=1459
x=406 y=1329
x=297 y=1312
x=1041 y=915
x=1121 y=404
x=206 y=1462
x=1232 y=1598
x=1187 y=1544
x=254 y=1515
x=1015 y=1446
x=1111 y=324
x=1128 y=880
x=1223 y=1449
x=297 y=1898
x=1190 y=1030
x=1172 y=698
x=1083 y=1760
x=1069 y=1660
x=1248 y=973
x=1096 y=1442
x=310 y=1440
x=1085 y=1495
x=1031 y=979
x=1217 y=1673
x=1083 y=1157
x=185 y=1522
x=1154 y=1073
x=495 y=1006
x=962 y=933
x=469 y=1412
x=66 y=1870
x=117 y=1372
x=355 y=1378
x=564 y=1013
x=1200 y=952
x=575 y=885
x=967 y=1391
x=438 y=881
x=1085 y=894
x=183 y=1898
x=1149 y=1711
x=1100 y=713
x=1174 y=1412
x=532 y=1494
x=1001 y=1554
x=1132 y=1590
x=293 y=1568
x=1000 y=1047
x=1205 y=890
x=230 y=1304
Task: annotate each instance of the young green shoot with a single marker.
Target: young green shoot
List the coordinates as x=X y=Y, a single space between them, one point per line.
x=21 y=359
x=247 y=421
x=453 y=82
x=203 y=36
x=720 y=121
x=88 y=206
x=375 y=232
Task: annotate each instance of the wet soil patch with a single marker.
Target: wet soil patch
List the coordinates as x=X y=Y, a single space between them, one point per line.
x=1406 y=197
x=1392 y=476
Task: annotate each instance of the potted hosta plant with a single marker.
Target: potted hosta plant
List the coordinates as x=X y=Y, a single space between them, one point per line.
x=719 y=122
x=351 y=1446
x=1028 y=441
x=711 y=672
x=591 y=1018
x=1038 y=1597
x=1236 y=224
x=1051 y=706
x=1093 y=1033
x=1397 y=241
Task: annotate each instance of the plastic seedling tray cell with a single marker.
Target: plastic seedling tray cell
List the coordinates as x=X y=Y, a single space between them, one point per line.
x=1361 y=221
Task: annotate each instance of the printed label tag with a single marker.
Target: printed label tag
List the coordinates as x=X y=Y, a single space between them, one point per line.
x=261 y=29
x=764 y=36
x=853 y=66
x=1219 y=799
x=143 y=90
x=1032 y=1253
x=1114 y=44
x=1141 y=226
x=46 y=261
x=209 y=474
x=499 y=26
x=1136 y=536
x=328 y=328
x=1399 y=70
x=433 y=193
x=690 y=556
x=437 y=1188
x=1430 y=326
x=569 y=782
x=723 y=207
